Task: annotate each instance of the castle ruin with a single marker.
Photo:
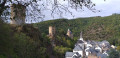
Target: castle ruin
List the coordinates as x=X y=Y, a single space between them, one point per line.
x=69 y=34
x=52 y=32
x=18 y=14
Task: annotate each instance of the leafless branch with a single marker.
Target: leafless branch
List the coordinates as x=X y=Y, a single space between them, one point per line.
x=35 y=8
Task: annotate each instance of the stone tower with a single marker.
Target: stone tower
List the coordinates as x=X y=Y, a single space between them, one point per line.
x=18 y=14
x=69 y=33
x=52 y=31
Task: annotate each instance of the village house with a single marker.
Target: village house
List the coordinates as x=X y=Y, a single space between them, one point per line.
x=89 y=49
x=72 y=55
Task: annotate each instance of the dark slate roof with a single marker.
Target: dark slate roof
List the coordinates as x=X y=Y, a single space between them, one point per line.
x=70 y=32
x=69 y=54
x=80 y=41
x=92 y=50
x=77 y=48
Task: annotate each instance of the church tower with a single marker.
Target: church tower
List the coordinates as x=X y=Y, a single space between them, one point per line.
x=18 y=14
x=81 y=36
x=69 y=34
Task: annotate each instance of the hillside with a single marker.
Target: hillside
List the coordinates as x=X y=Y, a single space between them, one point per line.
x=96 y=28
x=23 y=42
x=28 y=42
x=31 y=41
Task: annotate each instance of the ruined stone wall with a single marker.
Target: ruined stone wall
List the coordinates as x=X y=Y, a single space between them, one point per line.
x=18 y=14
x=52 y=32
x=69 y=34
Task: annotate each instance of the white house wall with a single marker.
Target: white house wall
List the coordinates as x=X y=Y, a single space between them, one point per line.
x=80 y=52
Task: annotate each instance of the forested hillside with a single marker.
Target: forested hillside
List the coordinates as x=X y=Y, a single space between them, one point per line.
x=22 y=42
x=27 y=41
x=93 y=28
x=31 y=40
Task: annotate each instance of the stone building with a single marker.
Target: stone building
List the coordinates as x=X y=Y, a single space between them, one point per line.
x=18 y=14
x=69 y=33
x=52 y=32
x=90 y=49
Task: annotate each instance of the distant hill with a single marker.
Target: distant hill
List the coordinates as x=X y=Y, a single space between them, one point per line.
x=96 y=28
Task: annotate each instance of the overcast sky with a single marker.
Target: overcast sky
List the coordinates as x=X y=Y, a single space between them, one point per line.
x=107 y=8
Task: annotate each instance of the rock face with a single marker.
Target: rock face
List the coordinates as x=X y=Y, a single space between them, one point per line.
x=18 y=14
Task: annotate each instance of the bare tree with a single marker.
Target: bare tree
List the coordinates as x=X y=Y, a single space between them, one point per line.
x=35 y=8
